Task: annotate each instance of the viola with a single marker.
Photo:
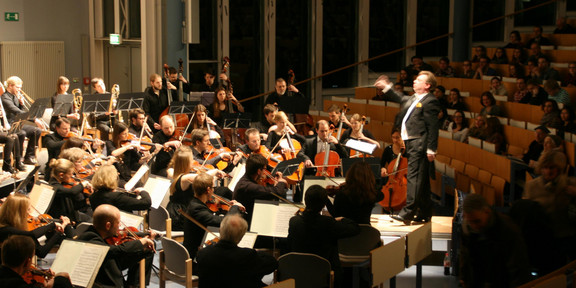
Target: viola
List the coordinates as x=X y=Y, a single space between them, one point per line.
x=273 y=158
x=218 y=203
x=39 y=221
x=395 y=190
x=199 y=168
x=145 y=143
x=87 y=190
x=268 y=179
x=37 y=277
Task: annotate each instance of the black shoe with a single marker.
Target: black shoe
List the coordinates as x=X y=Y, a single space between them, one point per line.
x=8 y=169
x=30 y=160
x=20 y=166
x=406 y=221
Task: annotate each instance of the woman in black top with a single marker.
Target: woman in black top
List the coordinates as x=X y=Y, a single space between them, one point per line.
x=105 y=182
x=14 y=221
x=69 y=198
x=390 y=153
x=221 y=104
x=568 y=125
x=355 y=198
x=357 y=132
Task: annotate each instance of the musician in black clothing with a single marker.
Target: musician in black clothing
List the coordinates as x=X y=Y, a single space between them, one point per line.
x=137 y=122
x=165 y=137
x=175 y=80
x=155 y=101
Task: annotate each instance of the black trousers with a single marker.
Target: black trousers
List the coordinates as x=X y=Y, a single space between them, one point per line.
x=418 y=192
x=33 y=133
x=11 y=146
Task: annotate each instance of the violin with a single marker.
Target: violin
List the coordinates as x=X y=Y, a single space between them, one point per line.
x=395 y=190
x=39 y=221
x=37 y=277
x=218 y=203
x=124 y=235
x=145 y=143
x=87 y=189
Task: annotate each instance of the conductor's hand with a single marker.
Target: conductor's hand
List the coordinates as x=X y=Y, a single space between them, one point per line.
x=383 y=83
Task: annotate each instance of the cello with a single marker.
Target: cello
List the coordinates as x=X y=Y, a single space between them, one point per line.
x=326 y=161
x=395 y=190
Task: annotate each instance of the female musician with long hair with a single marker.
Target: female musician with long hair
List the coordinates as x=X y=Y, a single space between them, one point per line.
x=62 y=86
x=181 y=191
x=14 y=215
x=69 y=199
x=357 y=132
x=356 y=197
x=276 y=132
x=201 y=121
x=105 y=182
x=220 y=106
x=390 y=153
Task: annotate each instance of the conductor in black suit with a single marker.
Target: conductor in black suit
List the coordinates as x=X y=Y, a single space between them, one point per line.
x=418 y=122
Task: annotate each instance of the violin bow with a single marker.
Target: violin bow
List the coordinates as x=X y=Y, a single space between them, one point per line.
x=286 y=200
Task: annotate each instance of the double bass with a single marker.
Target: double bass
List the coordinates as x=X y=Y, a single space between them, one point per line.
x=395 y=190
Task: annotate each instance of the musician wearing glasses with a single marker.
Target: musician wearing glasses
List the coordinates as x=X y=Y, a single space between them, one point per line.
x=14 y=103
x=137 y=122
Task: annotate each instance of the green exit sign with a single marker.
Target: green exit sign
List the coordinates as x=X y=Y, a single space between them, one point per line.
x=11 y=16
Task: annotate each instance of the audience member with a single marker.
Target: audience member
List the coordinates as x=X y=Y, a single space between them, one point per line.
x=499 y=56
x=417 y=65
x=467 y=71
x=538 y=38
x=515 y=41
x=570 y=79
x=535 y=52
x=536 y=146
x=518 y=56
x=455 y=100
x=490 y=108
x=444 y=68
x=531 y=68
x=562 y=27
x=495 y=135
x=484 y=69
x=556 y=93
x=515 y=70
x=568 y=125
x=551 y=117
x=459 y=126
x=479 y=52
x=404 y=78
x=496 y=87
x=536 y=95
x=493 y=253
x=478 y=128
x=544 y=72
x=521 y=91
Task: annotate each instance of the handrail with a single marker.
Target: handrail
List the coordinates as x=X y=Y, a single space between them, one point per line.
x=401 y=49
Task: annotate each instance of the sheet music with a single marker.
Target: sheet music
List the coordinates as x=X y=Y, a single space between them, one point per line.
x=158 y=188
x=131 y=220
x=237 y=172
x=137 y=176
x=361 y=146
x=40 y=198
x=247 y=241
x=272 y=219
x=283 y=215
x=81 y=260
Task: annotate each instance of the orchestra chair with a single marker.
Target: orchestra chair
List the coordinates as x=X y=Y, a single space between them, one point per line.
x=288 y=283
x=176 y=264
x=308 y=270
x=355 y=251
x=82 y=227
x=159 y=220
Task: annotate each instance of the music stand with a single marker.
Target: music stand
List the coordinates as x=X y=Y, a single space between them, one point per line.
x=182 y=107
x=288 y=167
x=62 y=105
x=38 y=107
x=22 y=189
x=364 y=147
x=96 y=103
x=129 y=101
x=207 y=98
x=237 y=120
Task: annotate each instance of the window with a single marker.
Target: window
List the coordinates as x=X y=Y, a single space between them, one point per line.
x=387 y=33
x=487 y=10
x=544 y=15
x=432 y=21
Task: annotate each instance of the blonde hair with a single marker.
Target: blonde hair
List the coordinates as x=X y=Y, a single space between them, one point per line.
x=73 y=154
x=13 y=80
x=60 y=166
x=181 y=162
x=14 y=212
x=105 y=178
x=280 y=116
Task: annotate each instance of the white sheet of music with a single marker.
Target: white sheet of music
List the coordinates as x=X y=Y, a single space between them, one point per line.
x=361 y=146
x=40 y=198
x=158 y=188
x=237 y=173
x=137 y=176
x=131 y=220
x=81 y=260
x=247 y=241
x=272 y=218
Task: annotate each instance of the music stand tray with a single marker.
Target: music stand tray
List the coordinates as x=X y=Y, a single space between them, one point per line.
x=129 y=101
x=361 y=146
x=288 y=167
x=182 y=107
x=38 y=107
x=62 y=105
x=237 y=120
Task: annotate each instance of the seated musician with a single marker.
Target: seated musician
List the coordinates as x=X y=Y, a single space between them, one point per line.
x=221 y=104
x=252 y=142
x=288 y=98
x=202 y=121
x=313 y=146
x=54 y=142
x=243 y=267
x=13 y=103
x=69 y=199
x=277 y=132
x=166 y=138
x=357 y=132
x=105 y=183
x=62 y=89
x=137 y=122
x=198 y=209
x=155 y=101
x=130 y=155
x=185 y=169
x=355 y=198
x=80 y=158
x=204 y=152
x=311 y=232
x=106 y=225
x=268 y=121
x=14 y=217
x=335 y=116
x=249 y=188
x=390 y=153
x=11 y=149
x=17 y=258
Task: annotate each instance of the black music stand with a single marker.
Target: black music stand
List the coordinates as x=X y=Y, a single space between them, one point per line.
x=96 y=103
x=182 y=107
x=207 y=98
x=38 y=107
x=288 y=167
x=129 y=101
x=62 y=105
x=23 y=186
x=237 y=120
x=374 y=163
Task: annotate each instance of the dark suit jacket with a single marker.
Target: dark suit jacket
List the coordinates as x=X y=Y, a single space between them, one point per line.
x=118 y=258
x=247 y=192
x=423 y=121
x=310 y=149
x=242 y=267
x=11 y=106
x=122 y=201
